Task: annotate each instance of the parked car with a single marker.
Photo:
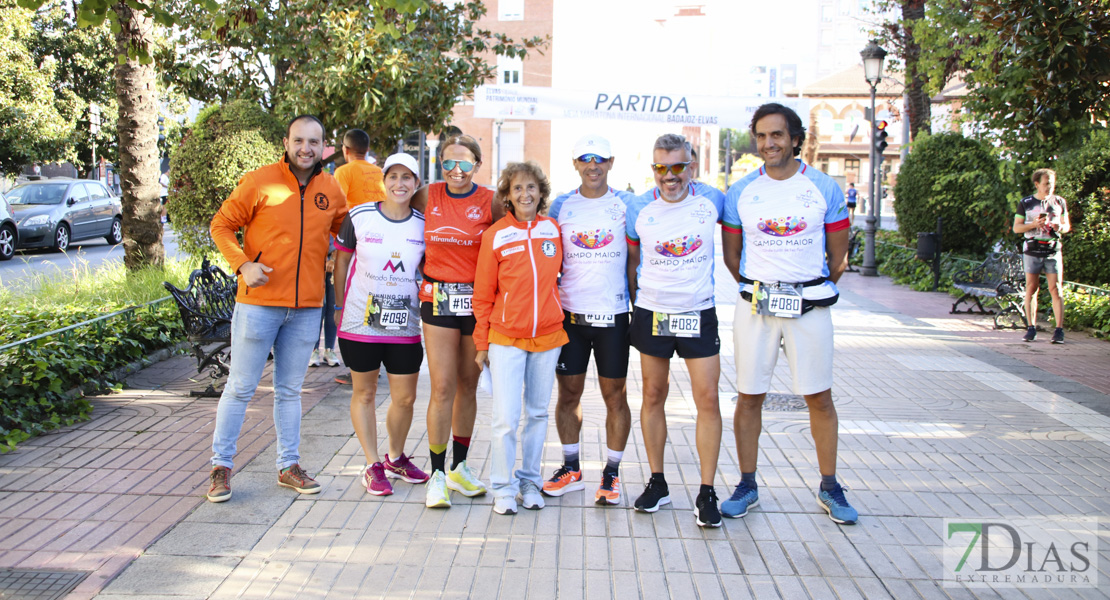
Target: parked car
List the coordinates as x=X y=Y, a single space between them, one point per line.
x=54 y=212
x=9 y=233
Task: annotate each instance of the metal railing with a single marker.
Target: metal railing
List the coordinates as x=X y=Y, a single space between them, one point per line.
x=98 y=323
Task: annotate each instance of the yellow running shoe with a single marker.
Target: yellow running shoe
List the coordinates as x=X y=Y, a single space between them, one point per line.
x=461 y=480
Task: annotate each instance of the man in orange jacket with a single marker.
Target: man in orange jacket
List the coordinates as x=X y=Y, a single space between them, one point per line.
x=286 y=210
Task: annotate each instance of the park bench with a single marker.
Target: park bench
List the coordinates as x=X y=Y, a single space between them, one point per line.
x=999 y=278
x=206 y=306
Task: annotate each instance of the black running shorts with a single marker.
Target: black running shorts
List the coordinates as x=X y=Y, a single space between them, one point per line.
x=609 y=345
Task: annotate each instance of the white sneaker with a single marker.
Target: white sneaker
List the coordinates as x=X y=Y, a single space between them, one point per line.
x=530 y=496
x=505 y=505
x=330 y=357
x=436 y=494
x=315 y=360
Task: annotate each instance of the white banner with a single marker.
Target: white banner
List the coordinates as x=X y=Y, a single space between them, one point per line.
x=550 y=104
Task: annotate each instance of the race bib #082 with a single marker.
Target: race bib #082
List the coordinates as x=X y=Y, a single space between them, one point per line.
x=452 y=299
x=687 y=324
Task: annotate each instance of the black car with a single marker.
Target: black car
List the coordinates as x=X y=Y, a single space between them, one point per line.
x=9 y=233
x=54 y=212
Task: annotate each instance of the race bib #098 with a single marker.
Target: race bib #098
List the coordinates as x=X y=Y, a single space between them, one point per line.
x=452 y=299
x=593 y=320
x=687 y=324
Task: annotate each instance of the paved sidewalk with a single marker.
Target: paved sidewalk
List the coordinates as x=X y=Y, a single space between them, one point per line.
x=939 y=417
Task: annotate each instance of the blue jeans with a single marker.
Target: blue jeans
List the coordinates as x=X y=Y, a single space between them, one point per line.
x=512 y=369
x=328 y=321
x=290 y=332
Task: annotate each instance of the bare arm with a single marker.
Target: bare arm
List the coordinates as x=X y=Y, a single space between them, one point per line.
x=633 y=263
x=836 y=252
x=496 y=208
x=420 y=199
x=342 y=263
x=731 y=245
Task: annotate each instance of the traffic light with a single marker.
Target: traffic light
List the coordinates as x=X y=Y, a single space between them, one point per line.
x=880 y=139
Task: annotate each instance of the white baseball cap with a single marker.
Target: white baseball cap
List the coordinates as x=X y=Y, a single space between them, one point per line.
x=403 y=159
x=592 y=144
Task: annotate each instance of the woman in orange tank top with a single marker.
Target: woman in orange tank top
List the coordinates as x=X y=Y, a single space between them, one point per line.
x=457 y=212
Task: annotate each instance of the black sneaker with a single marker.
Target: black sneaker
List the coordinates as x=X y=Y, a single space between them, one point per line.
x=1030 y=334
x=705 y=509
x=655 y=495
x=1058 y=336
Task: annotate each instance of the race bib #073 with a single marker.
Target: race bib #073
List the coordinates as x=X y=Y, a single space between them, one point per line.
x=593 y=320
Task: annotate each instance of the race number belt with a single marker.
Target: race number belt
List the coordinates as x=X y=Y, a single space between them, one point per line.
x=686 y=325
x=452 y=299
x=593 y=320
x=779 y=299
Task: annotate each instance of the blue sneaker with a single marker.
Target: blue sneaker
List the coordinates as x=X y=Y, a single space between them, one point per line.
x=837 y=505
x=742 y=499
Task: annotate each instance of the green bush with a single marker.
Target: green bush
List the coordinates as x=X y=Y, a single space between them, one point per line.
x=947 y=175
x=1083 y=179
x=36 y=379
x=224 y=143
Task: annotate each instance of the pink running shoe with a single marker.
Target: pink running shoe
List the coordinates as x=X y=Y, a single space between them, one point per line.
x=402 y=468
x=375 y=480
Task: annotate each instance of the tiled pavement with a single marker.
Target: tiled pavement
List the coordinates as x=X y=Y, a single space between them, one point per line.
x=940 y=417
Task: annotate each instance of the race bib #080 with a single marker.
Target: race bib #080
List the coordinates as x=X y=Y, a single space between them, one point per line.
x=779 y=300
x=687 y=324
x=452 y=299
x=593 y=320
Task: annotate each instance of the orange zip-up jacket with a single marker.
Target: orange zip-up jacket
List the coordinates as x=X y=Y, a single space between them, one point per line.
x=516 y=286
x=286 y=229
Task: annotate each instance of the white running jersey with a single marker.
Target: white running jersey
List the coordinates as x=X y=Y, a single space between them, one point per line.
x=595 y=253
x=783 y=224
x=675 y=273
x=380 y=301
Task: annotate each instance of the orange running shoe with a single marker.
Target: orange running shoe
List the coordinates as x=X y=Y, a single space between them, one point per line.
x=610 y=490
x=563 y=481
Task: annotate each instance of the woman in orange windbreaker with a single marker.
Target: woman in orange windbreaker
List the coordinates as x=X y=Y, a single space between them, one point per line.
x=519 y=329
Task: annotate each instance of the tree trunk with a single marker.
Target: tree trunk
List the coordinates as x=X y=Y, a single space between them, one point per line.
x=137 y=132
x=812 y=143
x=918 y=108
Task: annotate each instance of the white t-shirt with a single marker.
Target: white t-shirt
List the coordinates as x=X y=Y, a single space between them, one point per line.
x=595 y=252
x=675 y=273
x=380 y=301
x=784 y=224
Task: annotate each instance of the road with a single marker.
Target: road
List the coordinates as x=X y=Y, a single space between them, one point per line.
x=84 y=255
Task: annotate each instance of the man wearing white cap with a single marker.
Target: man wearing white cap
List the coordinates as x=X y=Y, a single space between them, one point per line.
x=594 y=294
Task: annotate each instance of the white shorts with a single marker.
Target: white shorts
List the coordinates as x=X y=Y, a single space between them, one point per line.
x=807 y=341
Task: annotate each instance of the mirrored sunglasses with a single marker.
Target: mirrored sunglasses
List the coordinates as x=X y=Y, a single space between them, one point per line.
x=464 y=165
x=677 y=168
x=592 y=158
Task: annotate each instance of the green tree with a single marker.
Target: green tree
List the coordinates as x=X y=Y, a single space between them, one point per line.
x=957 y=179
x=31 y=126
x=1083 y=179
x=903 y=35
x=225 y=142
x=85 y=59
x=352 y=64
x=1038 y=71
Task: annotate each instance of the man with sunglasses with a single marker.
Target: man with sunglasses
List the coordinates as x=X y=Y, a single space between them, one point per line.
x=594 y=293
x=670 y=275
x=785 y=241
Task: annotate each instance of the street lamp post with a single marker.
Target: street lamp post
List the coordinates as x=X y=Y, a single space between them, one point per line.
x=873 y=56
